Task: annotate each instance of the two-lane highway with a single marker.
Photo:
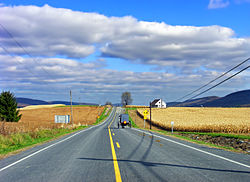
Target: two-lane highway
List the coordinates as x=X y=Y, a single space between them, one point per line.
x=105 y=153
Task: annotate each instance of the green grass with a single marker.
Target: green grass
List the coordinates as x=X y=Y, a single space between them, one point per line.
x=192 y=140
x=18 y=141
x=227 y=135
x=103 y=116
x=130 y=119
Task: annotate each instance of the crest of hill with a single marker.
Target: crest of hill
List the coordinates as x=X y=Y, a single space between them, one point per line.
x=236 y=99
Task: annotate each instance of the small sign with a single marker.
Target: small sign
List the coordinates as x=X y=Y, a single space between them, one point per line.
x=172 y=123
x=145 y=117
x=62 y=118
x=145 y=112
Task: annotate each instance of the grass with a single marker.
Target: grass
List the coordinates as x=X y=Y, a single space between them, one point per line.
x=130 y=119
x=19 y=141
x=192 y=140
x=227 y=135
x=103 y=116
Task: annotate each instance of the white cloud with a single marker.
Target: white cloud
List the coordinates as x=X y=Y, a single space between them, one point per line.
x=54 y=77
x=214 y=4
x=49 y=33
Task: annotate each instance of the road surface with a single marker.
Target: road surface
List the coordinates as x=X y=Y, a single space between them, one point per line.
x=105 y=153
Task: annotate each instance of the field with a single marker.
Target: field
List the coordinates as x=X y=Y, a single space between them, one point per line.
x=226 y=120
x=43 y=118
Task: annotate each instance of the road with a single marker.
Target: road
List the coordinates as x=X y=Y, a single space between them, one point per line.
x=105 y=153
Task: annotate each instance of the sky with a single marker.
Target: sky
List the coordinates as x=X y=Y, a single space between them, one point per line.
x=100 y=49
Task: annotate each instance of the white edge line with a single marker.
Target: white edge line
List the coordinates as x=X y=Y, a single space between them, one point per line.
x=235 y=162
x=20 y=160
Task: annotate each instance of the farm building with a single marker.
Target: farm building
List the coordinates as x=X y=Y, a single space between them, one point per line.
x=159 y=103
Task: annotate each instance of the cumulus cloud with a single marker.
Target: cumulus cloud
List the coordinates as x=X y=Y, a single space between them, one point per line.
x=54 y=77
x=51 y=33
x=48 y=31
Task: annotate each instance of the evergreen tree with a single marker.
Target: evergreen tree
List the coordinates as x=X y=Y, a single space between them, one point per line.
x=8 y=107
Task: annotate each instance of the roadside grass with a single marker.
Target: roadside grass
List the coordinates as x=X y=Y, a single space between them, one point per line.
x=17 y=141
x=192 y=140
x=103 y=116
x=227 y=135
x=130 y=119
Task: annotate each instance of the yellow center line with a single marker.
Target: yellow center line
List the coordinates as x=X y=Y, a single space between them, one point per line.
x=117 y=144
x=115 y=162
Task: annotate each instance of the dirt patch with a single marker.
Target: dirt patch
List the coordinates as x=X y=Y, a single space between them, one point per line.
x=238 y=144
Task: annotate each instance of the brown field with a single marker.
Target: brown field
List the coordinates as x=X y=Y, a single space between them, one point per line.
x=43 y=118
x=226 y=120
x=133 y=106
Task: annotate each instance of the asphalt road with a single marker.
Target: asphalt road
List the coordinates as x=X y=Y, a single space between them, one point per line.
x=105 y=153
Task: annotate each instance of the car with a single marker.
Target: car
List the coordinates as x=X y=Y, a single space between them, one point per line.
x=124 y=121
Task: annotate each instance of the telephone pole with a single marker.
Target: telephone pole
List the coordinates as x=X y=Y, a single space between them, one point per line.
x=71 y=107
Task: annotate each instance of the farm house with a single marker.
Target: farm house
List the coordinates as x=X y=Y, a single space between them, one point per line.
x=159 y=103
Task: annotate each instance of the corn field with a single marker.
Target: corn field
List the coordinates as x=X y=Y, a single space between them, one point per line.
x=226 y=120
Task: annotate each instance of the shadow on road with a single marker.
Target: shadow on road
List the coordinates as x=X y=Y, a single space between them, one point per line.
x=156 y=164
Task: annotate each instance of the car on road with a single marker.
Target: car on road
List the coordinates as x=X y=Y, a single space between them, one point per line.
x=124 y=121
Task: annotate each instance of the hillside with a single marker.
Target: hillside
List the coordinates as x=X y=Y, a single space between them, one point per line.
x=236 y=99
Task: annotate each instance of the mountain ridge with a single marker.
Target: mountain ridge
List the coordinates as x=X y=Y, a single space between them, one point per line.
x=235 y=99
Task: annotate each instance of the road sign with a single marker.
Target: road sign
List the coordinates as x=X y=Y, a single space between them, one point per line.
x=145 y=112
x=145 y=117
x=62 y=118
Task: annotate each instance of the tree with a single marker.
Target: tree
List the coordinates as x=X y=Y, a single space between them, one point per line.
x=8 y=107
x=126 y=98
x=108 y=103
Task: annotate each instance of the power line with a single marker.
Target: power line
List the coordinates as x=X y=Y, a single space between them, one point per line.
x=220 y=82
x=25 y=51
x=19 y=62
x=213 y=80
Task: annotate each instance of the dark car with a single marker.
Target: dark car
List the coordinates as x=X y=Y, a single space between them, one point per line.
x=124 y=121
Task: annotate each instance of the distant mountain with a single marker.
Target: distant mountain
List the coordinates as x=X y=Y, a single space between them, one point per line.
x=236 y=99
x=22 y=102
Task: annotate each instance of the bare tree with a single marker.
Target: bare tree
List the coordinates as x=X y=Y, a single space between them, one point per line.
x=126 y=98
x=108 y=103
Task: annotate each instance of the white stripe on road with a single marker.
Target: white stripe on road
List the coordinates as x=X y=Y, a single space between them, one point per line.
x=6 y=167
x=235 y=162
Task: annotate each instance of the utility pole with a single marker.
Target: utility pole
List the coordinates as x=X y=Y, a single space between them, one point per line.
x=71 y=107
x=150 y=114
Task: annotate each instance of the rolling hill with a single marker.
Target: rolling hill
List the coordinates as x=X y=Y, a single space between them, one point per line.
x=236 y=99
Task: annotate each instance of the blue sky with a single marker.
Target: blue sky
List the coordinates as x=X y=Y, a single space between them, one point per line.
x=151 y=48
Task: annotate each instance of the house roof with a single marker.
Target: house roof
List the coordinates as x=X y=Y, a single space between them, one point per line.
x=155 y=101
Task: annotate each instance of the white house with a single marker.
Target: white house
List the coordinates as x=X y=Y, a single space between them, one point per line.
x=159 y=103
